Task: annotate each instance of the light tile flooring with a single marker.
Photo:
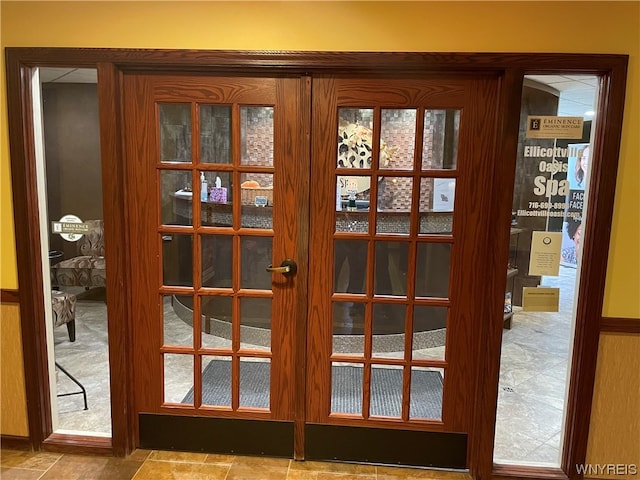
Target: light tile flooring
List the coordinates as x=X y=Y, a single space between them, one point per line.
x=535 y=355
x=158 y=465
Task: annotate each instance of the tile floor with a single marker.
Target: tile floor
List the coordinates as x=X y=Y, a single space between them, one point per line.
x=158 y=465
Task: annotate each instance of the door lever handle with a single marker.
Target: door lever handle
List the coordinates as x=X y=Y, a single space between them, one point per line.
x=287 y=268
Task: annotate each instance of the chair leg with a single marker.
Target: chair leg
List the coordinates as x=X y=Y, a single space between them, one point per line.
x=71 y=328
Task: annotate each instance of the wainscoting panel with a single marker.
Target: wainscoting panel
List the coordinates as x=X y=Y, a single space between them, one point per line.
x=13 y=403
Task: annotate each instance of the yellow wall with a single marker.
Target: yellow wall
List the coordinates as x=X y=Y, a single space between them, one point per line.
x=575 y=27
x=580 y=27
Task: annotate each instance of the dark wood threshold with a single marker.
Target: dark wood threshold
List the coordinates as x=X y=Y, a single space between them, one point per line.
x=9 y=296
x=620 y=325
x=15 y=442
x=82 y=444
x=521 y=472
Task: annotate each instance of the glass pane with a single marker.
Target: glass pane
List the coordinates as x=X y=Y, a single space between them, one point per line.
x=177 y=320
x=217 y=261
x=255 y=323
x=440 y=139
x=391 y=268
x=255 y=382
x=256 y=256
x=177 y=259
x=397 y=138
x=437 y=197
x=216 y=208
x=346 y=388
x=256 y=192
x=176 y=194
x=394 y=194
x=175 y=132
x=398 y=223
x=216 y=381
x=71 y=169
x=215 y=134
x=432 y=270
x=350 y=267
x=388 y=330
x=256 y=136
x=352 y=203
x=429 y=332
x=355 y=133
x=426 y=393
x=216 y=321
x=178 y=378
x=386 y=391
x=348 y=327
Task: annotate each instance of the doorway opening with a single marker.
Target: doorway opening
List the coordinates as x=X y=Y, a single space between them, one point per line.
x=550 y=197
x=66 y=123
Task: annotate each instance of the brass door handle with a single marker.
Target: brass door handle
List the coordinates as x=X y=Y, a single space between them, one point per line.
x=287 y=268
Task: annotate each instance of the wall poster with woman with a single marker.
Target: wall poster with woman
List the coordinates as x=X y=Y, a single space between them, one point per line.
x=572 y=228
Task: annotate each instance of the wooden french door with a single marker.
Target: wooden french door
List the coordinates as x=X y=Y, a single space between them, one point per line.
x=364 y=345
x=399 y=227
x=216 y=181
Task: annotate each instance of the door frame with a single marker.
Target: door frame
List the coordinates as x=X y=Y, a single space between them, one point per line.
x=112 y=62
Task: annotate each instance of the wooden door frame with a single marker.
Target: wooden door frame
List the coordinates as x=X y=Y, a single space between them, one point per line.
x=511 y=67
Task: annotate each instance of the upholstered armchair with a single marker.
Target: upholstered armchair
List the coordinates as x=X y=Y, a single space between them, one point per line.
x=87 y=269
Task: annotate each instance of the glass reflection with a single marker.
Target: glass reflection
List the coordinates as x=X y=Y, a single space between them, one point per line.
x=437 y=201
x=216 y=381
x=397 y=138
x=178 y=378
x=217 y=261
x=350 y=266
x=176 y=193
x=177 y=331
x=386 y=391
x=391 y=268
x=426 y=393
x=215 y=134
x=440 y=139
x=217 y=315
x=348 y=327
x=217 y=209
x=175 y=132
x=177 y=259
x=255 y=388
x=256 y=192
x=394 y=194
x=429 y=332
x=346 y=388
x=255 y=323
x=355 y=134
x=255 y=256
x=432 y=270
x=256 y=136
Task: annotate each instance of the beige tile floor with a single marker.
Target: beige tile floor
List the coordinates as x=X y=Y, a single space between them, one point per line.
x=159 y=465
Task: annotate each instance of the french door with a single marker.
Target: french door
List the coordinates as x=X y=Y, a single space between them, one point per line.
x=323 y=304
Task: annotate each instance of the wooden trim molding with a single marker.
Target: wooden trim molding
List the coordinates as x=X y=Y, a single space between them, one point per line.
x=9 y=296
x=15 y=442
x=83 y=444
x=517 y=472
x=620 y=325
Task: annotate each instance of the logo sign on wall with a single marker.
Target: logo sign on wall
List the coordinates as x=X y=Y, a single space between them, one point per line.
x=70 y=227
x=543 y=126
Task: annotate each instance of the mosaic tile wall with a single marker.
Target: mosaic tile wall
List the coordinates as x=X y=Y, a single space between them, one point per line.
x=397 y=130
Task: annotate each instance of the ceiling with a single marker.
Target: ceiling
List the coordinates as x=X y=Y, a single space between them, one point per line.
x=577 y=92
